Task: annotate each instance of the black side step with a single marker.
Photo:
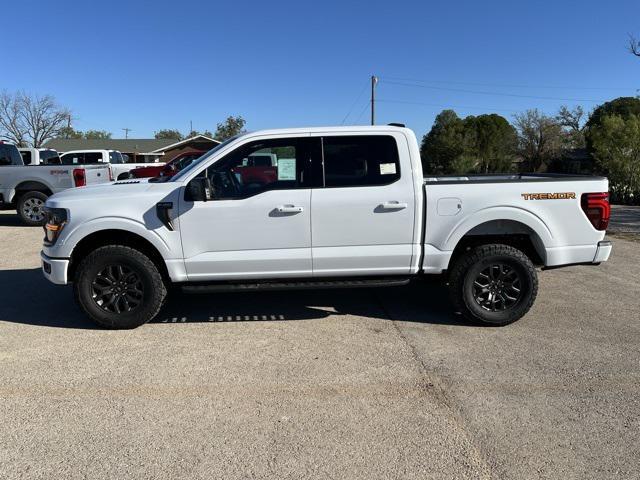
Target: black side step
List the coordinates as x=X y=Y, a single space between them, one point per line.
x=295 y=285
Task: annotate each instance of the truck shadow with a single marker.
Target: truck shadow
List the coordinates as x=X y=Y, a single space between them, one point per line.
x=30 y=299
x=11 y=219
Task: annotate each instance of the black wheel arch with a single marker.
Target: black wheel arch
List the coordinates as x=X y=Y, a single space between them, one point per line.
x=505 y=232
x=30 y=186
x=125 y=238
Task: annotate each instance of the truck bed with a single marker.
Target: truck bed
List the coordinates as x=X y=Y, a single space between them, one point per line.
x=508 y=178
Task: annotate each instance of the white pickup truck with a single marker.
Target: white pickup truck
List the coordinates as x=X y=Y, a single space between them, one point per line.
x=344 y=206
x=27 y=187
x=39 y=156
x=119 y=168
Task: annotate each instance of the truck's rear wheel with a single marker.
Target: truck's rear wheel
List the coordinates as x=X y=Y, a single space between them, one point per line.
x=493 y=284
x=30 y=208
x=119 y=287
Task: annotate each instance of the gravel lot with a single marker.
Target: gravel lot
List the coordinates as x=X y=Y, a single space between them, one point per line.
x=367 y=384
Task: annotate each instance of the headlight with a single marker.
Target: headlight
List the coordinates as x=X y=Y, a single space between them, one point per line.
x=56 y=220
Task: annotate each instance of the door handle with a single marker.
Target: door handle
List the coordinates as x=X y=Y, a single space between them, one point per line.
x=394 y=205
x=289 y=209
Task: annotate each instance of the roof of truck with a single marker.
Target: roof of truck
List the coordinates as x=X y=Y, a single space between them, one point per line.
x=340 y=129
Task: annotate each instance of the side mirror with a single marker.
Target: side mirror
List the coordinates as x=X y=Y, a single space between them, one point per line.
x=199 y=190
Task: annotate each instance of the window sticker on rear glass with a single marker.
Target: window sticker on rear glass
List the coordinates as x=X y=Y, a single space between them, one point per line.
x=387 y=169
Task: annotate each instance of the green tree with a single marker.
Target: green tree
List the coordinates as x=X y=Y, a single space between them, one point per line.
x=445 y=147
x=495 y=142
x=616 y=148
x=195 y=133
x=168 y=134
x=622 y=106
x=69 y=132
x=97 y=135
x=539 y=139
x=485 y=143
x=230 y=127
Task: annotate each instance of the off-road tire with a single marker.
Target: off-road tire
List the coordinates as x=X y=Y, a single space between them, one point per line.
x=21 y=206
x=472 y=263
x=153 y=289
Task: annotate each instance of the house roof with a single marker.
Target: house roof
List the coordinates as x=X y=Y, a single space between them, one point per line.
x=137 y=145
x=187 y=140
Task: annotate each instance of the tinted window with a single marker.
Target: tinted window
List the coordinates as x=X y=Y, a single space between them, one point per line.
x=360 y=160
x=26 y=157
x=49 y=157
x=92 y=157
x=9 y=155
x=234 y=176
x=115 y=157
x=72 y=158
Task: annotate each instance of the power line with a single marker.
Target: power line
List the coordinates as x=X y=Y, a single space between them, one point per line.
x=502 y=85
x=353 y=105
x=447 y=105
x=367 y=104
x=477 y=92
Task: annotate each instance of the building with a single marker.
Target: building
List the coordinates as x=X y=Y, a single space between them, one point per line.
x=139 y=150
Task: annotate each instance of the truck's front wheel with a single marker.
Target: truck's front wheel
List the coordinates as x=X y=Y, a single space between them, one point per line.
x=493 y=284
x=119 y=287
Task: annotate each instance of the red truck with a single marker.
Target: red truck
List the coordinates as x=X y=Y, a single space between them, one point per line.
x=169 y=169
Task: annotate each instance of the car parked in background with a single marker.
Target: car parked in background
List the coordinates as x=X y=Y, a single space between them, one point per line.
x=27 y=187
x=39 y=156
x=119 y=168
x=169 y=169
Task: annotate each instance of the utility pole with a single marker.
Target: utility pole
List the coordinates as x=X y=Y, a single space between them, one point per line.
x=374 y=82
x=190 y=127
x=126 y=132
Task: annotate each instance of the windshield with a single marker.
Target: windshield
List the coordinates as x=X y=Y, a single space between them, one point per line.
x=199 y=160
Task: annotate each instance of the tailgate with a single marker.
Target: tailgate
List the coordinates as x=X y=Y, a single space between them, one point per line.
x=97 y=174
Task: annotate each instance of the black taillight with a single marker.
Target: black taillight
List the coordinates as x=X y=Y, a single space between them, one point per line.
x=597 y=209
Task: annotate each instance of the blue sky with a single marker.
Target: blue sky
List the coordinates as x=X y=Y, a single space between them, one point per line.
x=152 y=65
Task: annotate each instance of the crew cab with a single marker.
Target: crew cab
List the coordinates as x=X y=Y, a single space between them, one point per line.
x=39 y=156
x=166 y=170
x=348 y=206
x=26 y=188
x=119 y=168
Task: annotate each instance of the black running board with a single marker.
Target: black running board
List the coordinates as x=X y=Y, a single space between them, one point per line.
x=295 y=285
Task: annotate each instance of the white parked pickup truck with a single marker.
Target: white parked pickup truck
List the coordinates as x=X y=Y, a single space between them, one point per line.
x=39 y=156
x=344 y=206
x=26 y=188
x=119 y=168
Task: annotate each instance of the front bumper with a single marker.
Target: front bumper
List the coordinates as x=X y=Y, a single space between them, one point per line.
x=55 y=269
x=603 y=251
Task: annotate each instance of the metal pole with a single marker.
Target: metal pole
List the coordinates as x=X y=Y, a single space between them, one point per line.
x=374 y=81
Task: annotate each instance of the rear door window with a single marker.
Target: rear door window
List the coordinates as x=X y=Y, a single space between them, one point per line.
x=49 y=157
x=92 y=157
x=9 y=155
x=364 y=160
x=115 y=157
x=26 y=157
x=73 y=158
